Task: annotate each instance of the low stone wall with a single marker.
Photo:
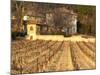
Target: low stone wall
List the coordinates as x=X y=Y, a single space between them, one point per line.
x=50 y=37
x=62 y=38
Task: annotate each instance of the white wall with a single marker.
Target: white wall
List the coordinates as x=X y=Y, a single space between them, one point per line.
x=31 y=32
x=75 y=26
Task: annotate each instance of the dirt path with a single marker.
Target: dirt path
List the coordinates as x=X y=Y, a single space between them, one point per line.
x=65 y=62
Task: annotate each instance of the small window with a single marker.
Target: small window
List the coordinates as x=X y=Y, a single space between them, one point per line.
x=31 y=28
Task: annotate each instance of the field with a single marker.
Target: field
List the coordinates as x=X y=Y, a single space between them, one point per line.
x=49 y=56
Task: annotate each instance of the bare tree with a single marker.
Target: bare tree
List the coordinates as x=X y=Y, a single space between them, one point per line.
x=19 y=11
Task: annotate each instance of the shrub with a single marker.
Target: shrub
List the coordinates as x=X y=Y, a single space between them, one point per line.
x=13 y=35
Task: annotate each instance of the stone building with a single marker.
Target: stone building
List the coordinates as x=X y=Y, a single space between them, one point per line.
x=44 y=20
x=43 y=25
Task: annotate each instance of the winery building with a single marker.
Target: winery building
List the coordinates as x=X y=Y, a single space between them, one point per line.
x=56 y=21
x=45 y=25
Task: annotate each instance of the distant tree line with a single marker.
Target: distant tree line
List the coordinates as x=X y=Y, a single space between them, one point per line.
x=86 y=19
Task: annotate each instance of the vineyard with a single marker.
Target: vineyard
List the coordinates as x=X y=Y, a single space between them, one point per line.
x=48 y=56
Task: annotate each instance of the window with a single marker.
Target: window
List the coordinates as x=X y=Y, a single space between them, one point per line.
x=31 y=28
